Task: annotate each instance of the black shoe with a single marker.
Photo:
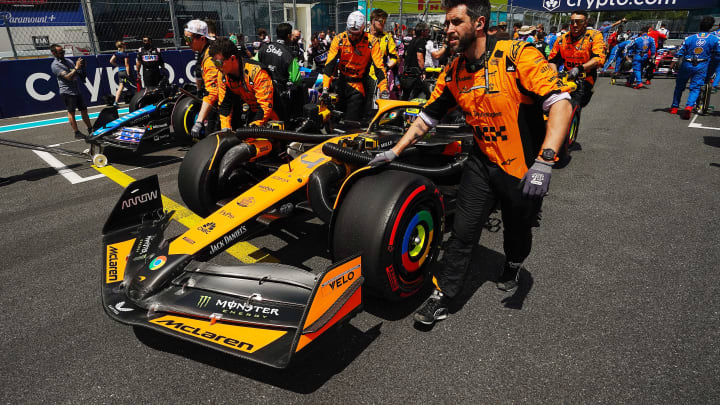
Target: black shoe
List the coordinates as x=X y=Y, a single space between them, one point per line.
x=80 y=135
x=508 y=280
x=435 y=308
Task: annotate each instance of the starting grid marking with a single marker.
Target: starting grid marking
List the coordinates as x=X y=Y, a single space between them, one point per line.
x=243 y=251
x=693 y=124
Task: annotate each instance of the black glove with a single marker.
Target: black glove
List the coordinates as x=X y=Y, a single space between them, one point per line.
x=573 y=73
x=536 y=182
x=196 y=130
x=383 y=158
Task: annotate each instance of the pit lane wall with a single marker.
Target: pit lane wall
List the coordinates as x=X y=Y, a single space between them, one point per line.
x=29 y=86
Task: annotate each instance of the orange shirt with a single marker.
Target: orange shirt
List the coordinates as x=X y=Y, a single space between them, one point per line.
x=210 y=74
x=569 y=53
x=506 y=117
x=254 y=87
x=354 y=60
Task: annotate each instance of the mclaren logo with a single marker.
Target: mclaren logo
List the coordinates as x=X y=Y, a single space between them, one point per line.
x=119 y=307
x=139 y=199
x=221 y=334
x=112 y=264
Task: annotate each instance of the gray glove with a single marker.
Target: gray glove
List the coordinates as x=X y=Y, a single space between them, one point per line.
x=536 y=182
x=382 y=158
x=574 y=73
x=196 y=129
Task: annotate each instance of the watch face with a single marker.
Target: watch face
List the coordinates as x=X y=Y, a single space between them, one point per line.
x=548 y=154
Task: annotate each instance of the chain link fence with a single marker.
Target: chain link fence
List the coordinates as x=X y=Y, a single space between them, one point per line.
x=28 y=27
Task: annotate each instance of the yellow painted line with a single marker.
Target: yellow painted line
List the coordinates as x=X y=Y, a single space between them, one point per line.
x=243 y=251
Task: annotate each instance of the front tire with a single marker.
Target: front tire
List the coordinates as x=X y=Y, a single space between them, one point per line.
x=183 y=117
x=198 y=174
x=395 y=219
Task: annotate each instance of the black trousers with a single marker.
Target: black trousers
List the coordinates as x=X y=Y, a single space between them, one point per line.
x=482 y=185
x=413 y=88
x=350 y=101
x=151 y=77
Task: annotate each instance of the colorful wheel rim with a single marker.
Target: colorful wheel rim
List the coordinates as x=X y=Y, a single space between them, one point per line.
x=417 y=240
x=573 y=130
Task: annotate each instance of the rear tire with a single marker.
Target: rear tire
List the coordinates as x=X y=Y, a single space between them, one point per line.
x=395 y=219
x=571 y=135
x=705 y=98
x=183 y=117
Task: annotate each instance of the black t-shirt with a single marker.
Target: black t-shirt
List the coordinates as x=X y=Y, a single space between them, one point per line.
x=319 y=54
x=278 y=58
x=150 y=59
x=416 y=46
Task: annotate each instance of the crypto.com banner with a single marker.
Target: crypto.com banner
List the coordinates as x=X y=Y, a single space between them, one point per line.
x=612 y=5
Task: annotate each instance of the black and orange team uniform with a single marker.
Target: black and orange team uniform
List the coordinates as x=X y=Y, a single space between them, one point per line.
x=253 y=87
x=386 y=43
x=351 y=62
x=570 y=52
x=207 y=80
x=152 y=62
x=506 y=114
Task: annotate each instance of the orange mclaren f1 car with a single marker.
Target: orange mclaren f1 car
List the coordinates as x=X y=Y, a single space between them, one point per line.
x=385 y=227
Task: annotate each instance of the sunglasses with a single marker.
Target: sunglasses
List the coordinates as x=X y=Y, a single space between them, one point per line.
x=380 y=21
x=189 y=38
x=579 y=21
x=219 y=62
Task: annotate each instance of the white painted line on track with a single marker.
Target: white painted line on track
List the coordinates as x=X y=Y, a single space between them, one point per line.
x=63 y=170
x=700 y=126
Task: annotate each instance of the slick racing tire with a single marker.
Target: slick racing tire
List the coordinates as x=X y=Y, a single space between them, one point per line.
x=183 y=117
x=704 y=99
x=198 y=174
x=395 y=219
x=571 y=134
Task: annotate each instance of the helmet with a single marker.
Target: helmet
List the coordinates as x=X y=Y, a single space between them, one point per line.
x=356 y=22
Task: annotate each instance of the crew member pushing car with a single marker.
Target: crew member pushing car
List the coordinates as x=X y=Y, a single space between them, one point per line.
x=579 y=50
x=242 y=81
x=206 y=73
x=351 y=55
x=501 y=86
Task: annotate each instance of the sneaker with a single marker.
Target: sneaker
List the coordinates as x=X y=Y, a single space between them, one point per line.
x=686 y=113
x=435 y=308
x=80 y=135
x=510 y=276
x=638 y=86
x=628 y=84
x=647 y=81
x=673 y=110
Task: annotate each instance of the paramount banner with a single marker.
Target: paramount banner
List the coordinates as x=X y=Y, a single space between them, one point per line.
x=31 y=88
x=612 y=5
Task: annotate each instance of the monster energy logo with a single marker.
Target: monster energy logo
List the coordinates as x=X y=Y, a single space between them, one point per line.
x=203 y=301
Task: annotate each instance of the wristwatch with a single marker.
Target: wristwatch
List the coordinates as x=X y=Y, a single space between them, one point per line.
x=548 y=155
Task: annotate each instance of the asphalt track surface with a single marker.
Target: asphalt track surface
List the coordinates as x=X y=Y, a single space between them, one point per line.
x=619 y=303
